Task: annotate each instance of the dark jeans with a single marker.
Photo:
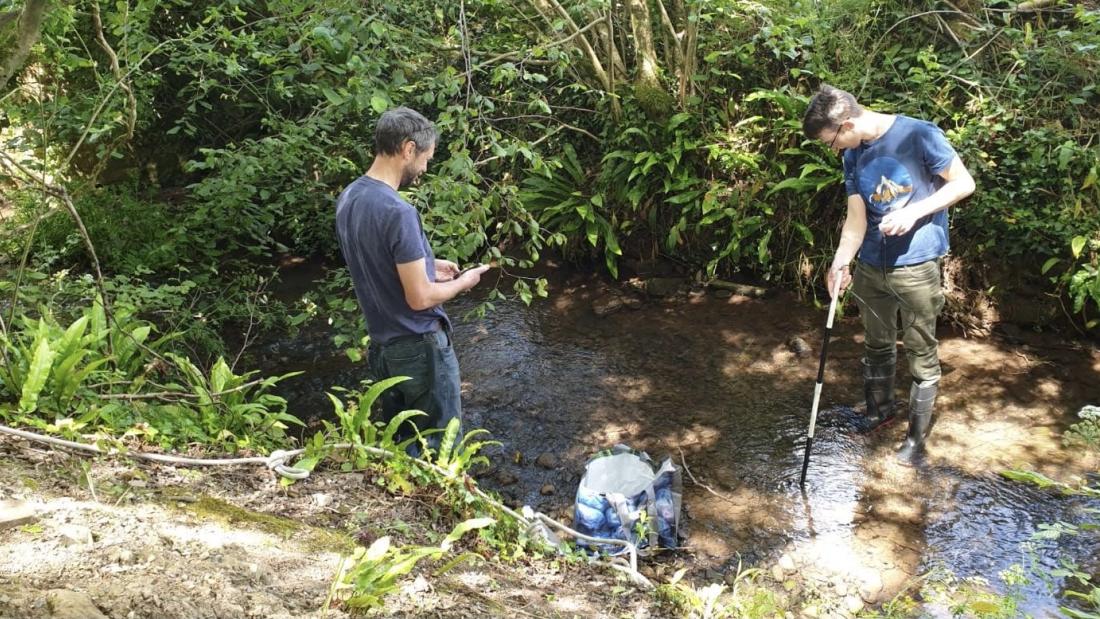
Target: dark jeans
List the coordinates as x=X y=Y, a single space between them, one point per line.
x=433 y=386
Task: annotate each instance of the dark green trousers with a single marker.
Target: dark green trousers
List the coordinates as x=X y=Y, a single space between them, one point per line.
x=913 y=294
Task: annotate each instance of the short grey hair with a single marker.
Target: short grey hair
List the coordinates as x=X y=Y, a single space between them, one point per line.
x=401 y=125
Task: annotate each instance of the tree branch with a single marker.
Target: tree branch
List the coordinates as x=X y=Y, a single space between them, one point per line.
x=6 y=18
x=30 y=23
x=547 y=9
x=677 y=51
x=516 y=54
x=123 y=84
x=61 y=194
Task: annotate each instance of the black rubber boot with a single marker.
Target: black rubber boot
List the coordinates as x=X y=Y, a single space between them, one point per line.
x=921 y=402
x=878 y=390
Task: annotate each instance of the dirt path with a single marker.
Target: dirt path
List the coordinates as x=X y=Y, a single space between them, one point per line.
x=160 y=542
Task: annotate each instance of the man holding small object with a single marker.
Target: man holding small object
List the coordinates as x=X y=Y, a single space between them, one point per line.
x=399 y=282
x=901 y=175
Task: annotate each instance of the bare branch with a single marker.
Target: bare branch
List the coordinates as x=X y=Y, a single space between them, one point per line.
x=547 y=9
x=61 y=194
x=123 y=84
x=518 y=53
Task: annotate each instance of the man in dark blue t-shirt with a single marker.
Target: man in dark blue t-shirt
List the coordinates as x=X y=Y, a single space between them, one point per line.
x=398 y=280
x=900 y=174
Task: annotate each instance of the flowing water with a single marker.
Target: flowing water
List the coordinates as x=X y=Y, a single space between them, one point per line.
x=716 y=385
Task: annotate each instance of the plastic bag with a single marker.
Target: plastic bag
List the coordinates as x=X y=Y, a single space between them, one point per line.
x=622 y=496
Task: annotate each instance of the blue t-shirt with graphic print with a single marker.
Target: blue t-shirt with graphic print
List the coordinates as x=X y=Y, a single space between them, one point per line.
x=378 y=230
x=899 y=167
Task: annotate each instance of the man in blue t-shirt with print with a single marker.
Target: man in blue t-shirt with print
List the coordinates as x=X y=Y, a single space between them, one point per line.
x=900 y=174
x=398 y=280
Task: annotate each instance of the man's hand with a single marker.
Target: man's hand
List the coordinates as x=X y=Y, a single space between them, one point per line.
x=898 y=222
x=472 y=276
x=839 y=272
x=445 y=270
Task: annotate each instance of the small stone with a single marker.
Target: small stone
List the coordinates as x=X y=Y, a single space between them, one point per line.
x=663 y=286
x=15 y=513
x=777 y=573
x=869 y=588
x=506 y=478
x=723 y=294
x=799 y=347
x=546 y=489
x=121 y=556
x=853 y=604
x=605 y=306
x=75 y=534
x=138 y=483
x=786 y=562
x=547 y=461
x=320 y=499
x=632 y=302
x=811 y=611
x=64 y=604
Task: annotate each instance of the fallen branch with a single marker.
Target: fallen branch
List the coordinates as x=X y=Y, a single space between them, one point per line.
x=745 y=290
x=1034 y=5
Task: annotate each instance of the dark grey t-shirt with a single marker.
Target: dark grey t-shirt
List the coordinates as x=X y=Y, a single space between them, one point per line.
x=378 y=230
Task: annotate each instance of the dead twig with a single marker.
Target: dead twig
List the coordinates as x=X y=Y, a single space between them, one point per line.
x=695 y=481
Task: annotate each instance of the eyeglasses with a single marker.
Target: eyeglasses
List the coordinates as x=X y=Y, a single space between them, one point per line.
x=836 y=135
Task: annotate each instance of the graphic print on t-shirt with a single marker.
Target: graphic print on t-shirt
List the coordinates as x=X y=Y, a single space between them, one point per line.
x=887 y=183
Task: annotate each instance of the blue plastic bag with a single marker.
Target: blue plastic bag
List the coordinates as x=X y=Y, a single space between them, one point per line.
x=622 y=496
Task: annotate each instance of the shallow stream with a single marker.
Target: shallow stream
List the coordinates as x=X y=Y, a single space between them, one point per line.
x=718 y=385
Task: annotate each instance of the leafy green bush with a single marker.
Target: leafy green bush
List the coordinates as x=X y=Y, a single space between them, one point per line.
x=100 y=375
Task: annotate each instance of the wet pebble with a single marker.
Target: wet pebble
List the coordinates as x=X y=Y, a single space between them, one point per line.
x=607 y=305
x=506 y=478
x=547 y=461
x=547 y=489
x=799 y=347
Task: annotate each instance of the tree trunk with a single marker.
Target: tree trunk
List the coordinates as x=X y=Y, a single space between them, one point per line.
x=30 y=23
x=648 y=88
